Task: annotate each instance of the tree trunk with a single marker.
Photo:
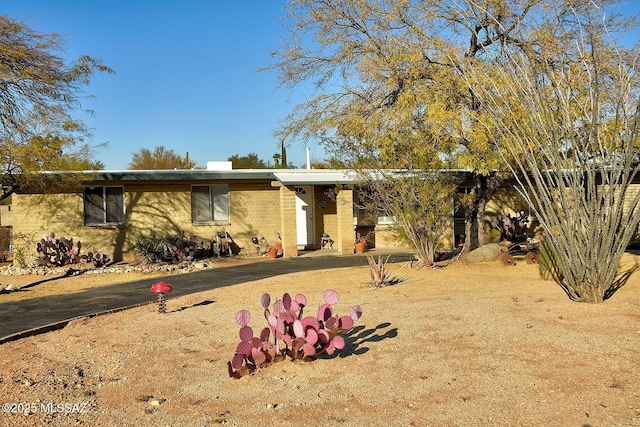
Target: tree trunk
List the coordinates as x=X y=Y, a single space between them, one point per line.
x=484 y=188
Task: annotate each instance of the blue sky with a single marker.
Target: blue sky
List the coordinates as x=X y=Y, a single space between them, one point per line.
x=185 y=74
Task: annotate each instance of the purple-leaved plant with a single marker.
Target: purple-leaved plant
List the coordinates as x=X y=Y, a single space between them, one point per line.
x=289 y=333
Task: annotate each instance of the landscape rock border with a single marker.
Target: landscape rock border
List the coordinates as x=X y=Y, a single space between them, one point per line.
x=86 y=268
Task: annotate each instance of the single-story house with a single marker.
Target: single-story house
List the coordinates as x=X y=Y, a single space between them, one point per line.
x=295 y=207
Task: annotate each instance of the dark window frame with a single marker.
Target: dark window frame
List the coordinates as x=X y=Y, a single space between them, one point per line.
x=104 y=205
x=210 y=203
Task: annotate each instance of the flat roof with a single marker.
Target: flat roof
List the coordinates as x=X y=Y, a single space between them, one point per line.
x=284 y=176
x=179 y=174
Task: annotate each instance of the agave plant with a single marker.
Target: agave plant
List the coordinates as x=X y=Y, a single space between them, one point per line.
x=380 y=275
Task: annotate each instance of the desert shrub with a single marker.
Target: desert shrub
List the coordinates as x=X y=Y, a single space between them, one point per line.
x=173 y=248
x=289 y=334
x=380 y=275
x=149 y=248
x=23 y=255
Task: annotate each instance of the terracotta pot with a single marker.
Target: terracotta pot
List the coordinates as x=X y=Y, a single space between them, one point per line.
x=360 y=247
x=273 y=254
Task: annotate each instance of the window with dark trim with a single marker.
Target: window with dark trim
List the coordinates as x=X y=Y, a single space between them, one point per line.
x=210 y=203
x=104 y=205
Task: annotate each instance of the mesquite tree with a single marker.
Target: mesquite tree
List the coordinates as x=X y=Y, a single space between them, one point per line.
x=40 y=93
x=568 y=117
x=384 y=78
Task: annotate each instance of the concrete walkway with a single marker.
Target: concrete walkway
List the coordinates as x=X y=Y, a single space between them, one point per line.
x=36 y=315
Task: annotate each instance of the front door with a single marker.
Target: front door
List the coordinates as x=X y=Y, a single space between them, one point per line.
x=304 y=215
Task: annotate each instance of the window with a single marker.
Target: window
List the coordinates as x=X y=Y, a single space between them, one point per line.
x=103 y=205
x=210 y=203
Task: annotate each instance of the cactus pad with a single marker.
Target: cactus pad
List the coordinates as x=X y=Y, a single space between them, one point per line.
x=301 y=300
x=345 y=323
x=237 y=361
x=324 y=312
x=330 y=297
x=338 y=342
x=278 y=306
x=264 y=335
x=258 y=356
x=265 y=300
x=355 y=312
x=243 y=348
x=243 y=317
x=286 y=301
x=298 y=329
x=246 y=333
x=311 y=336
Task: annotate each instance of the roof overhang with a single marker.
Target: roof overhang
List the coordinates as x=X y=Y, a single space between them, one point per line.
x=315 y=176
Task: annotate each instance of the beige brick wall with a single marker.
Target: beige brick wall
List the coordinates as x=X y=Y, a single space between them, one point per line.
x=6 y=218
x=161 y=208
x=345 y=238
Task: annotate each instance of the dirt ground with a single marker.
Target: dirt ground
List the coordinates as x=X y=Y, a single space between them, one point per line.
x=467 y=345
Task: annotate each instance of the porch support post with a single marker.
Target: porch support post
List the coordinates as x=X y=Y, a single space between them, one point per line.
x=346 y=229
x=288 y=230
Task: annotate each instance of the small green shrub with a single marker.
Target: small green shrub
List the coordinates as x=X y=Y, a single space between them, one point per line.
x=149 y=248
x=22 y=255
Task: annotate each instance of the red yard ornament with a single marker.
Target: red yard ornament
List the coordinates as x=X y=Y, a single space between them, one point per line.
x=161 y=288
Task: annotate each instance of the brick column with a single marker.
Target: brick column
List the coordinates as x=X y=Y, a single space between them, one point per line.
x=346 y=230
x=288 y=230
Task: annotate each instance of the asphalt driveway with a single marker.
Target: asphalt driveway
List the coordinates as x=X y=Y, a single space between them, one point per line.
x=36 y=315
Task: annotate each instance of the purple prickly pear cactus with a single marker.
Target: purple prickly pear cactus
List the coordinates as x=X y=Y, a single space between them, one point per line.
x=289 y=334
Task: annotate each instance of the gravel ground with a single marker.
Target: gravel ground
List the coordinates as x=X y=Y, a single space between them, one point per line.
x=466 y=345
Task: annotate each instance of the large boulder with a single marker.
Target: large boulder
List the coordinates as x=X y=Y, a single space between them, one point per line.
x=488 y=252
